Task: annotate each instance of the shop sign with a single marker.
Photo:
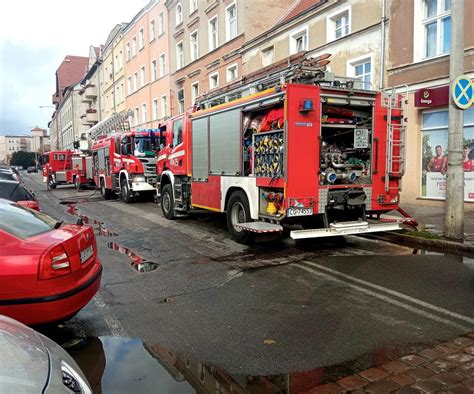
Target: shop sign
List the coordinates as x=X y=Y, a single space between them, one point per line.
x=433 y=97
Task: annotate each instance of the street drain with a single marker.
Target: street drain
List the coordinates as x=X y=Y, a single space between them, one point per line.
x=99 y=227
x=139 y=263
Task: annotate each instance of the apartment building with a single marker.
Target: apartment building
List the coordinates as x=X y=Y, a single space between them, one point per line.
x=351 y=31
x=38 y=141
x=112 y=74
x=205 y=37
x=147 y=66
x=418 y=63
x=68 y=114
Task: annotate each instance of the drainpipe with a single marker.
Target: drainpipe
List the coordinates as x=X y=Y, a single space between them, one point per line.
x=382 y=45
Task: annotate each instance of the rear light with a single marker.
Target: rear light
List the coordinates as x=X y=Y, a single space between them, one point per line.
x=54 y=263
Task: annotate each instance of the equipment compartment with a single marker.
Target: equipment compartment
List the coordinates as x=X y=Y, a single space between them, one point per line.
x=346 y=145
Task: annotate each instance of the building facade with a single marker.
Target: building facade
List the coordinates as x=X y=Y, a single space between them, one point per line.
x=418 y=63
x=69 y=121
x=205 y=38
x=38 y=142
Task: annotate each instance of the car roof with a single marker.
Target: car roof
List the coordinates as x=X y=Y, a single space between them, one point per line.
x=8 y=181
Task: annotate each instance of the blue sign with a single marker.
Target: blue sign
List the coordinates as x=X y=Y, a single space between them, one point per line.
x=462 y=92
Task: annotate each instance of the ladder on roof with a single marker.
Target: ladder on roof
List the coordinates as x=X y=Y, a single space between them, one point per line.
x=295 y=69
x=117 y=123
x=395 y=155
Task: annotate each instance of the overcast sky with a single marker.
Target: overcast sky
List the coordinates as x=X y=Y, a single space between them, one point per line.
x=35 y=36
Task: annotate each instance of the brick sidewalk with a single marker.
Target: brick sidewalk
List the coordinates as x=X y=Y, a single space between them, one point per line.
x=445 y=368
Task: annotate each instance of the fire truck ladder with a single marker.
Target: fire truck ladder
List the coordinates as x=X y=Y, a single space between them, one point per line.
x=117 y=123
x=395 y=157
x=296 y=69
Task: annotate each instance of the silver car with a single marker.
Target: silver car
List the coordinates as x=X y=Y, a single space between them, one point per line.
x=32 y=363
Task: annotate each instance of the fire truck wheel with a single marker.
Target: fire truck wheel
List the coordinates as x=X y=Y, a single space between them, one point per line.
x=167 y=202
x=126 y=196
x=105 y=193
x=238 y=211
x=51 y=184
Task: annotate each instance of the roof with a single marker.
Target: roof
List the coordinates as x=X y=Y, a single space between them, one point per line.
x=297 y=8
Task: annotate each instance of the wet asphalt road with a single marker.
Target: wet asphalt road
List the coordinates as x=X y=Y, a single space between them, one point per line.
x=274 y=308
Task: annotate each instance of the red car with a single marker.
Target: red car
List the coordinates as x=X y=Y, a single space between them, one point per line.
x=17 y=192
x=48 y=271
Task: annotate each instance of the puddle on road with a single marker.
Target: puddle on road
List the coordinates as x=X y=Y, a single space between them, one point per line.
x=127 y=365
x=99 y=226
x=138 y=262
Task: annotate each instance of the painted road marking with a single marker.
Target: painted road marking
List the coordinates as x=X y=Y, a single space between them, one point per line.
x=332 y=276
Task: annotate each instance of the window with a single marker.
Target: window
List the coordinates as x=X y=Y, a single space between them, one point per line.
x=193 y=39
x=299 y=40
x=134 y=46
x=161 y=24
x=25 y=223
x=164 y=106
x=268 y=56
x=152 y=30
x=142 y=76
x=214 y=80
x=129 y=85
x=177 y=132
x=213 y=34
x=129 y=55
x=437 y=27
x=192 y=6
x=135 y=82
x=120 y=60
x=179 y=14
x=361 y=68
x=162 y=65
x=154 y=71
x=141 y=39
x=155 y=109
x=181 y=101
x=231 y=73
x=137 y=116
x=194 y=92
x=122 y=91
x=143 y=113
x=231 y=22
x=117 y=93
x=338 y=23
x=179 y=55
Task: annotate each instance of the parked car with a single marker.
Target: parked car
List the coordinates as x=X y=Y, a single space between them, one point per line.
x=32 y=169
x=32 y=363
x=8 y=175
x=48 y=270
x=17 y=192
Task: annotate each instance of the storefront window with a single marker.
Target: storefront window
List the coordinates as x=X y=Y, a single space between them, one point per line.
x=434 y=135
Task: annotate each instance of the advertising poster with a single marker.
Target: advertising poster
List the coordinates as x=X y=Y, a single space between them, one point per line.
x=435 y=163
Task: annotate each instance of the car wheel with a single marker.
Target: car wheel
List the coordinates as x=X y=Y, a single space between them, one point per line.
x=106 y=194
x=238 y=211
x=126 y=196
x=167 y=202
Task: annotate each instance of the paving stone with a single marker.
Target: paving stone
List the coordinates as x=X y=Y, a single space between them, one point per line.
x=420 y=373
x=464 y=341
x=352 y=382
x=448 y=378
x=382 y=386
x=429 y=386
x=373 y=374
x=439 y=365
x=448 y=347
x=469 y=384
x=408 y=390
x=459 y=390
x=330 y=388
x=395 y=367
x=469 y=350
x=431 y=354
x=413 y=360
x=459 y=357
x=403 y=379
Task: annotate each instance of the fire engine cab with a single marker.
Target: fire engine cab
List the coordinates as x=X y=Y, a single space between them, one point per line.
x=310 y=150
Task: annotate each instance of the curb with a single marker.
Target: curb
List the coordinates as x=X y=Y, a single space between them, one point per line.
x=433 y=245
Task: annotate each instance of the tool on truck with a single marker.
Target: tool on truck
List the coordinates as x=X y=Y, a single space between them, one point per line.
x=288 y=146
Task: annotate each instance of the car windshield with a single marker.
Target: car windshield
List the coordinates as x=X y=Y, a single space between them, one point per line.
x=143 y=146
x=7 y=176
x=23 y=222
x=15 y=192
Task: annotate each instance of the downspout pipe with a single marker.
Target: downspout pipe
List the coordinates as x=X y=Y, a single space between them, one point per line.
x=382 y=44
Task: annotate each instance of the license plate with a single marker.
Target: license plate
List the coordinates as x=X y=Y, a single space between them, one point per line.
x=299 y=212
x=86 y=254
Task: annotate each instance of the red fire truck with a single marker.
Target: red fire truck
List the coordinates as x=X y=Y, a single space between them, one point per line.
x=124 y=161
x=312 y=150
x=64 y=167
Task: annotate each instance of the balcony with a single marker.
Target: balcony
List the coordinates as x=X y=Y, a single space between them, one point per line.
x=92 y=117
x=85 y=99
x=91 y=92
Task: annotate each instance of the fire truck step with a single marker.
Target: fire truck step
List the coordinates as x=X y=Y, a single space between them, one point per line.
x=260 y=227
x=344 y=228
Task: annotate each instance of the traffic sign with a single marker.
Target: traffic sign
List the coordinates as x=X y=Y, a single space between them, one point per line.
x=462 y=92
